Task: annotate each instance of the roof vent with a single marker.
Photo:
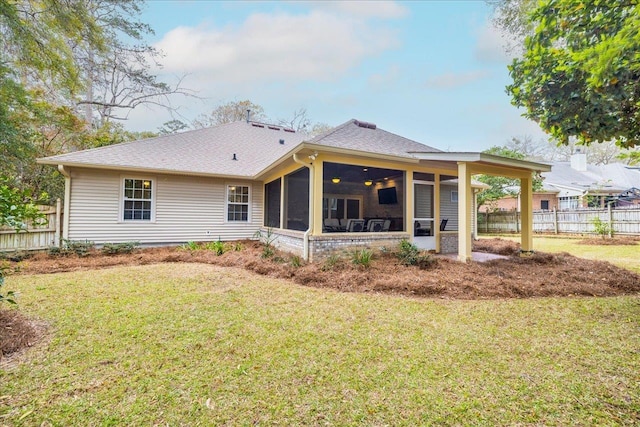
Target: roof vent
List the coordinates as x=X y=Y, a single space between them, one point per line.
x=274 y=128
x=289 y=130
x=258 y=125
x=365 y=125
x=234 y=157
x=282 y=142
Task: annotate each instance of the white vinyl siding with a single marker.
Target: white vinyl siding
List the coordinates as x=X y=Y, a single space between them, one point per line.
x=448 y=209
x=186 y=208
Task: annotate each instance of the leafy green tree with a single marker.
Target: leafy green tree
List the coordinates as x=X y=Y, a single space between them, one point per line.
x=500 y=186
x=17 y=207
x=579 y=75
x=631 y=157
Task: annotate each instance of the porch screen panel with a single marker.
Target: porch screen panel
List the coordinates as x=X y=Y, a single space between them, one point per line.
x=353 y=209
x=296 y=186
x=272 y=204
x=423 y=201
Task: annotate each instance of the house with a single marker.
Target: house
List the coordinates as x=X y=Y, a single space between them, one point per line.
x=229 y=181
x=577 y=184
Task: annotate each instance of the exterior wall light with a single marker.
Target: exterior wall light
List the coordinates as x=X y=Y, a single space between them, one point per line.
x=368 y=182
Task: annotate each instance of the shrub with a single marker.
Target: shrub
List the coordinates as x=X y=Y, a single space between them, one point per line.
x=72 y=247
x=409 y=254
x=267 y=239
x=330 y=263
x=190 y=246
x=218 y=247
x=362 y=257
x=296 y=261
x=601 y=227
x=119 y=248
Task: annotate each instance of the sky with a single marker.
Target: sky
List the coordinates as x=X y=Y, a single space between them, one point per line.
x=432 y=71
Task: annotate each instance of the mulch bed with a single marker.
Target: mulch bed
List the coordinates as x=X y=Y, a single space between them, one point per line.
x=540 y=275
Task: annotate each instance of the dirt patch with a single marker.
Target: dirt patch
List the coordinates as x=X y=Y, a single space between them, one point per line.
x=16 y=332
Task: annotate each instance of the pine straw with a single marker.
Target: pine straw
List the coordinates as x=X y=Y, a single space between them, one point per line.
x=541 y=275
x=16 y=332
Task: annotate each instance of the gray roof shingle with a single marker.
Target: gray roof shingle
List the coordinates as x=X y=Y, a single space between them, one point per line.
x=211 y=151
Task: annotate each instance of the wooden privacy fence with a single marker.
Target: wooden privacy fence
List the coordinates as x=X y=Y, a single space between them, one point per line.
x=579 y=221
x=35 y=236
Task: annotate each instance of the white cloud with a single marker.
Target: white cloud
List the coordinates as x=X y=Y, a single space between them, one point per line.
x=275 y=47
x=454 y=80
x=491 y=45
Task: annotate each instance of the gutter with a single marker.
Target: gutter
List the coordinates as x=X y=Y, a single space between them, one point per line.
x=67 y=201
x=305 y=237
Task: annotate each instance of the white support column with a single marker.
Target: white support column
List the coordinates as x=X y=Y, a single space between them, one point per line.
x=465 y=201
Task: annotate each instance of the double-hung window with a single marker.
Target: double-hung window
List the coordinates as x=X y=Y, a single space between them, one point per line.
x=238 y=203
x=138 y=199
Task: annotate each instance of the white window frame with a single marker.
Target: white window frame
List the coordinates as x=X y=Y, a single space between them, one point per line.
x=227 y=203
x=153 y=182
x=454 y=199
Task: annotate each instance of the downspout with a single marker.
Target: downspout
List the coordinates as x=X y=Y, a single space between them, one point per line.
x=305 y=237
x=67 y=201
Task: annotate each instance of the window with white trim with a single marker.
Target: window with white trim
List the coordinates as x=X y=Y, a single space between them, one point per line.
x=238 y=203
x=137 y=199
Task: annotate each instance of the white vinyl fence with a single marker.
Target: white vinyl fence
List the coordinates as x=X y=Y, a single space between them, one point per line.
x=620 y=220
x=35 y=237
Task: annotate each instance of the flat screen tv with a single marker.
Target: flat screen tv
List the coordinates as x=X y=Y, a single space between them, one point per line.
x=387 y=196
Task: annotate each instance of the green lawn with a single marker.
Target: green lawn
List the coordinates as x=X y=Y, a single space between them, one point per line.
x=180 y=344
x=626 y=256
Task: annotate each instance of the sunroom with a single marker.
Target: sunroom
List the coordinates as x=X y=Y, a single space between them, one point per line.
x=321 y=203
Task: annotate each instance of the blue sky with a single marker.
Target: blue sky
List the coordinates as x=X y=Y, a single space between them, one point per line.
x=433 y=71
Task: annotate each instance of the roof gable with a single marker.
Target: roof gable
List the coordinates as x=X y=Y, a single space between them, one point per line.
x=367 y=137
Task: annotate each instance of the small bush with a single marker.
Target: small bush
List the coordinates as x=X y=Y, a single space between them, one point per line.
x=190 y=246
x=362 y=257
x=601 y=227
x=218 y=247
x=409 y=254
x=119 y=248
x=72 y=247
x=330 y=263
x=237 y=247
x=296 y=261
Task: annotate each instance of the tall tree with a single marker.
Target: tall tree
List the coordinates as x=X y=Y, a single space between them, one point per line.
x=229 y=112
x=579 y=75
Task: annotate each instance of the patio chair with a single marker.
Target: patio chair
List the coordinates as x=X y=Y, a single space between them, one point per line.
x=355 y=225
x=375 y=225
x=443 y=224
x=332 y=224
x=386 y=225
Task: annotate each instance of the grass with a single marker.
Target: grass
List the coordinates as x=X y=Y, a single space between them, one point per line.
x=194 y=344
x=625 y=256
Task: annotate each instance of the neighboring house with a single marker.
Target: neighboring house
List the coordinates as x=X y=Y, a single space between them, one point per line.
x=576 y=184
x=232 y=180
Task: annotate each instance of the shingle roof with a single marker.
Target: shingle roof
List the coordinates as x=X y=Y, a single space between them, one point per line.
x=611 y=177
x=202 y=151
x=361 y=136
x=255 y=147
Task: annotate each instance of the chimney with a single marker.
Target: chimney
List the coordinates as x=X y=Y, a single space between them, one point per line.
x=579 y=160
x=248 y=115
